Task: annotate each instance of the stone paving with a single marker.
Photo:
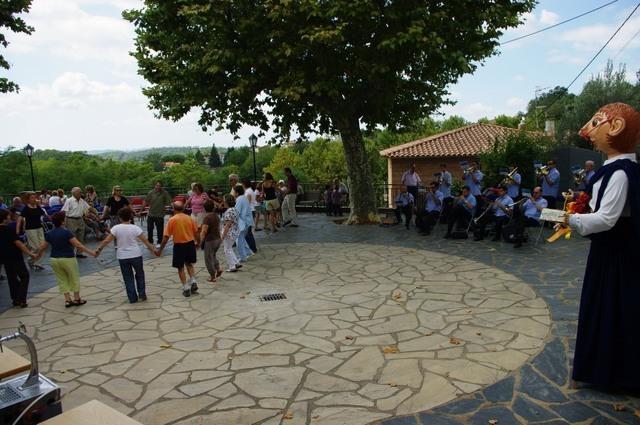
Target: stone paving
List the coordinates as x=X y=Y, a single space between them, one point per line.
x=379 y=324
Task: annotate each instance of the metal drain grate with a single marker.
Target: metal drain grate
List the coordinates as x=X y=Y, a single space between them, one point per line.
x=9 y=395
x=273 y=297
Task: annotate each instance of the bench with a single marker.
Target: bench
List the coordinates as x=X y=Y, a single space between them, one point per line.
x=91 y=413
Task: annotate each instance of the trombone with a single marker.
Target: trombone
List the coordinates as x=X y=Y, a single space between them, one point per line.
x=508 y=178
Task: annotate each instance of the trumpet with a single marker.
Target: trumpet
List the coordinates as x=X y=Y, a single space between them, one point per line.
x=579 y=176
x=542 y=171
x=508 y=178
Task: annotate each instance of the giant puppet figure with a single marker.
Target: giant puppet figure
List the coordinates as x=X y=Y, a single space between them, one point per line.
x=607 y=350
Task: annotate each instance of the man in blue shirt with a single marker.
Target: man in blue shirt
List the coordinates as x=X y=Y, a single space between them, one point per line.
x=588 y=173
x=513 y=187
x=551 y=184
x=464 y=207
x=404 y=205
x=473 y=179
x=500 y=214
x=432 y=207
x=531 y=210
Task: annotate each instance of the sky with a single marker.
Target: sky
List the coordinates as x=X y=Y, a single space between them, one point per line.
x=80 y=89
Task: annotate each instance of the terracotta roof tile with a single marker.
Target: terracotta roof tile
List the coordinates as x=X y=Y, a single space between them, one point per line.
x=465 y=141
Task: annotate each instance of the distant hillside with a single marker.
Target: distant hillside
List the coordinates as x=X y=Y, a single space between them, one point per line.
x=138 y=155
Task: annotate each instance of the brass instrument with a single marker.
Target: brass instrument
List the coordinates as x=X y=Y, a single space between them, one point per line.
x=508 y=179
x=579 y=175
x=541 y=170
x=466 y=168
x=469 y=170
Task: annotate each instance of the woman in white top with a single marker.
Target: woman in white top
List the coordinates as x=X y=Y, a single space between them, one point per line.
x=129 y=254
x=607 y=346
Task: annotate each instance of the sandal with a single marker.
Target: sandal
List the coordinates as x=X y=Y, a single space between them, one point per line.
x=79 y=302
x=68 y=304
x=218 y=273
x=211 y=279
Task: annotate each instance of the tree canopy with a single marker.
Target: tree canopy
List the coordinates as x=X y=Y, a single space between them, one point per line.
x=326 y=66
x=9 y=9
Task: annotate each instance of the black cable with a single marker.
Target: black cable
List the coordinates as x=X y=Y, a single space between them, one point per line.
x=558 y=24
x=597 y=54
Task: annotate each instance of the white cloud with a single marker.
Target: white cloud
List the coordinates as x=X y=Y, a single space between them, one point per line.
x=469 y=111
x=548 y=18
x=564 y=56
x=71 y=90
x=591 y=37
x=63 y=29
x=516 y=103
x=531 y=22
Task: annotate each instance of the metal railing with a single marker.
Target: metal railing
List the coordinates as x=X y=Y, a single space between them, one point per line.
x=311 y=192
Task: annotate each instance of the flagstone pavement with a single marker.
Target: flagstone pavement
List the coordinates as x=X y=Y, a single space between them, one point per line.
x=378 y=325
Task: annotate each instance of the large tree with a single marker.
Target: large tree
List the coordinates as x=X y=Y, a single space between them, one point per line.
x=310 y=65
x=9 y=9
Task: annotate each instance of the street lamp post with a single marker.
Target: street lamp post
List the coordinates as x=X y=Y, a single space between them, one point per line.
x=254 y=142
x=29 y=151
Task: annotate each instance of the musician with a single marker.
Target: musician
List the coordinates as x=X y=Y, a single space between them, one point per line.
x=404 y=205
x=411 y=180
x=531 y=210
x=513 y=184
x=499 y=213
x=551 y=184
x=608 y=342
x=464 y=207
x=433 y=206
x=473 y=179
x=588 y=174
x=445 y=181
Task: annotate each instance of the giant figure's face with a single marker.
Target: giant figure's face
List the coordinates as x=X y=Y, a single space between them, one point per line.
x=596 y=130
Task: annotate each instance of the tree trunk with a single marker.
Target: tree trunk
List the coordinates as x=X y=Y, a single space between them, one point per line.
x=362 y=197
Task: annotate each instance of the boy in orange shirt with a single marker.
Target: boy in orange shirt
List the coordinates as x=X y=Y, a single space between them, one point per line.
x=185 y=237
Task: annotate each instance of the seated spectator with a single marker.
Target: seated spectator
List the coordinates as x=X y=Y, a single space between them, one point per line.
x=44 y=198
x=91 y=196
x=3 y=206
x=56 y=200
x=17 y=204
x=93 y=221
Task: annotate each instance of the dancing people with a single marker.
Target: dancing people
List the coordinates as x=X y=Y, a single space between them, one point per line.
x=129 y=254
x=211 y=241
x=11 y=256
x=185 y=236
x=63 y=259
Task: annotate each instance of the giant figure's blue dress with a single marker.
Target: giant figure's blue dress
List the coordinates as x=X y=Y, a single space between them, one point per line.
x=607 y=352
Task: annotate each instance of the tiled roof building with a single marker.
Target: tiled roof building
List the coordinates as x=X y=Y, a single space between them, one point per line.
x=470 y=140
x=451 y=147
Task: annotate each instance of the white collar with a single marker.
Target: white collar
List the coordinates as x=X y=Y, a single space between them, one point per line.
x=631 y=156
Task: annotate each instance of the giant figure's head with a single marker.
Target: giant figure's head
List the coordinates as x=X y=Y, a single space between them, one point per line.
x=614 y=129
